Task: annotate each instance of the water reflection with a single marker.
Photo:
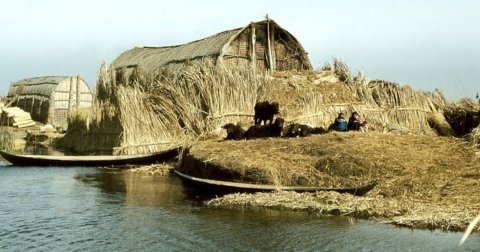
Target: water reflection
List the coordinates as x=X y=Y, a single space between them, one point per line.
x=139 y=189
x=49 y=208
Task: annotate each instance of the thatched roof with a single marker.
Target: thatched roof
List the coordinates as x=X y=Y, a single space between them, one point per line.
x=215 y=47
x=37 y=85
x=152 y=57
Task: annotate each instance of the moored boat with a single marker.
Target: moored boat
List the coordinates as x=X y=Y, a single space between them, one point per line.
x=103 y=160
x=228 y=186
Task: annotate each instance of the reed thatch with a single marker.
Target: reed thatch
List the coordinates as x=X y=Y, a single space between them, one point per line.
x=49 y=99
x=261 y=45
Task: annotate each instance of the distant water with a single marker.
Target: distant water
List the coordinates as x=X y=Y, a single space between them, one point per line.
x=77 y=209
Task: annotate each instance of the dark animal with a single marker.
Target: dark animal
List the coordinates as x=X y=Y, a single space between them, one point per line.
x=269 y=130
x=302 y=130
x=234 y=132
x=318 y=130
x=297 y=130
x=264 y=111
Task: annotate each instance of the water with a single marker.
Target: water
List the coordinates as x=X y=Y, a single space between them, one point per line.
x=77 y=209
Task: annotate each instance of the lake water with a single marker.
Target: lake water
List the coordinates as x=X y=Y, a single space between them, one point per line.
x=78 y=209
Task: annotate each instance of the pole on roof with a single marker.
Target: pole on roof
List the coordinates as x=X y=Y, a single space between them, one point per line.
x=269 y=51
x=253 y=58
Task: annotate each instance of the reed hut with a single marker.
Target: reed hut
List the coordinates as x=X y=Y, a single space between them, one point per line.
x=262 y=45
x=49 y=99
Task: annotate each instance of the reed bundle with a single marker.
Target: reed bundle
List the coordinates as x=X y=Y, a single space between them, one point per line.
x=155 y=111
x=6 y=138
x=322 y=202
x=317 y=97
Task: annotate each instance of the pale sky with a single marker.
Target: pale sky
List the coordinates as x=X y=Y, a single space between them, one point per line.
x=426 y=44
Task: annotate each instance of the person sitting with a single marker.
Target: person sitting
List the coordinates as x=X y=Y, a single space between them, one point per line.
x=354 y=122
x=340 y=123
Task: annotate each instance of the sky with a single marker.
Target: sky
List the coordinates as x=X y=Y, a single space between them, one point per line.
x=426 y=44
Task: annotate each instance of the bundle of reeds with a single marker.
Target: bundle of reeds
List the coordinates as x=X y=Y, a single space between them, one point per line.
x=474 y=136
x=156 y=110
x=16 y=117
x=463 y=115
x=6 y=138
x=317 y=97
x=94 y=130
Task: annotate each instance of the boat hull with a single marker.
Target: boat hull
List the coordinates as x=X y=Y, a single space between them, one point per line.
x=227 y=186
x=105 y=160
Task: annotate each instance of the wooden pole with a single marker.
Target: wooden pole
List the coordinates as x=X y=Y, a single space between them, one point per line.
x=273 y=53
x=269 y=52
x=253 y=39
x=78 y=92
x=70 y=89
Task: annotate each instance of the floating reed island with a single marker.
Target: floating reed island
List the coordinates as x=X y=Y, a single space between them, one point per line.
x=425 y=180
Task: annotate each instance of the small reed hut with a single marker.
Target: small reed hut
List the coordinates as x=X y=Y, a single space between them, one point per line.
x=262 y=45
x=49 y=99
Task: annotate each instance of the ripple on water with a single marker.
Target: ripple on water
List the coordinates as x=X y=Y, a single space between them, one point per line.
x=52 y=209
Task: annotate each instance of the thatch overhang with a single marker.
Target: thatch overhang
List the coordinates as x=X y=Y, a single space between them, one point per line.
x=263 y=45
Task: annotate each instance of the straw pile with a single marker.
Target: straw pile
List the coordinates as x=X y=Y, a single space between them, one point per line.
x=316 y=97
x=424 y=181
x=16 y=117
x=474 y=136
x=158 y=110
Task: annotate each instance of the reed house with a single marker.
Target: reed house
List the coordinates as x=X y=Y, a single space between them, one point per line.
x=262 y=45
x=49 y=99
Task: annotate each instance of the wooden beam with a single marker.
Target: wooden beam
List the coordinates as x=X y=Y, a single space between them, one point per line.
x=253 y=39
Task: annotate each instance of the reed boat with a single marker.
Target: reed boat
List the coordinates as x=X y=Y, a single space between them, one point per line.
x=228 y=186
x=103 y=160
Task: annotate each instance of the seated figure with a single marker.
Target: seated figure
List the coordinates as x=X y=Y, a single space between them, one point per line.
x=340 y=123
x=355 y=124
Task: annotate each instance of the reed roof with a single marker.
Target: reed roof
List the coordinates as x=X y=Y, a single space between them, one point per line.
x=37 y=85
x=151 y=58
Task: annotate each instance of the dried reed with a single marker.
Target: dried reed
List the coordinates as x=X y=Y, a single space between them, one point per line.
x=413 y=170
x=6 y=138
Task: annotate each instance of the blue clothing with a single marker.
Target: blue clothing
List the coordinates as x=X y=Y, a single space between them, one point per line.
x=341 y=124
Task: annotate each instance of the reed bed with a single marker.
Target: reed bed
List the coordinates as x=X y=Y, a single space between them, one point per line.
x=424 y=181
x=322 y=202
